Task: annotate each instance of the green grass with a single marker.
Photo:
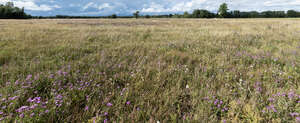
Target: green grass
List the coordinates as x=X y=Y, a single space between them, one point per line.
x=170 y=70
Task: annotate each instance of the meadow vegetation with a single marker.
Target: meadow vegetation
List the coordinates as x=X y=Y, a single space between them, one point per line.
x=149 y=70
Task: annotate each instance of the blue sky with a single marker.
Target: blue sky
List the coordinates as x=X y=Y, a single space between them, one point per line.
x=127 y=7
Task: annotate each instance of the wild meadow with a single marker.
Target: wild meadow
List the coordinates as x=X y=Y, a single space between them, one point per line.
x=150 y=70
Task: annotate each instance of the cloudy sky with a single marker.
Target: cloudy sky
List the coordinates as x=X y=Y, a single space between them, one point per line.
x=127 y=7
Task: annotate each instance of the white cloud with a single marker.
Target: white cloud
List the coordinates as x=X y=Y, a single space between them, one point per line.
x=31 y=5
x=97 y=6
x=90 y=4
x=286 y=3
x=103 y=6
x=176 y=7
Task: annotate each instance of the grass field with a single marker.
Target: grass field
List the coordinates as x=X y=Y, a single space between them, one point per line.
x=149 y=70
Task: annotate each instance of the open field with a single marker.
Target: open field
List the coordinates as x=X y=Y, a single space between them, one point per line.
x=126 y=70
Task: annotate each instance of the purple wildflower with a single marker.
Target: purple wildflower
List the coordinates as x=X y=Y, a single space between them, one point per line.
x=37 y=99
x=32 y=114
x=105 y=121
x=291 y=94
x=86 y=108
x=271 y=99
x=128 y=102
x=105 y=113
x=294 y=114
x=216 y=101
x=21 y=115
x=65 y=73
x=51 y=76
x=59 y=96
x=47 y=111
x=109 y=104
x=1 y=113
x=298 y=119
x=221 y=102
x=17 y=82
x=21 y=109
x=33 y=106
x=94 y=119
x=30 y=100
x=13 y=98
x=28 y=77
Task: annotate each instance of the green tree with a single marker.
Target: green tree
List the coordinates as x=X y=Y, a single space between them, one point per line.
x=292 y=13
x=223 y=10
x=236 y=14
x=8 y=11
x=136 y=14
x=113 y=16
x=186 y=15
x=147 y=16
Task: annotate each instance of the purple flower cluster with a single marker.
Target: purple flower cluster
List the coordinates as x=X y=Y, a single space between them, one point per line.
x=272 y=108
x=58 y=100
x=219 y=104
x=257 y=87
x=36 y=103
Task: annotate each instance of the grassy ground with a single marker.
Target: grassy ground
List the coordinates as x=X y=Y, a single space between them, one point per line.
x=126 y=70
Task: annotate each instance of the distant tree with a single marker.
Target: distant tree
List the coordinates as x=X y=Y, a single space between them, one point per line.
x=113 y=16
x=223 y=10
x=196 y=13
x=147 y=16
x=254 y=14
x=136 y=14
x=292 y=13
x=267 y=14
x=186 y=15
x=236 y=14
x=279 y=14
x=202 y=13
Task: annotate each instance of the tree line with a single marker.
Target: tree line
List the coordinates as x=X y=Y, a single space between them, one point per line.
x=224 y=12
x=9 y=11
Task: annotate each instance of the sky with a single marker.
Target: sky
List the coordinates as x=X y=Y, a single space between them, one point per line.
x=127 y=7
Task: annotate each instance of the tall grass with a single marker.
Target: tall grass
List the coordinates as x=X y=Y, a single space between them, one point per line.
x=167 y=70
